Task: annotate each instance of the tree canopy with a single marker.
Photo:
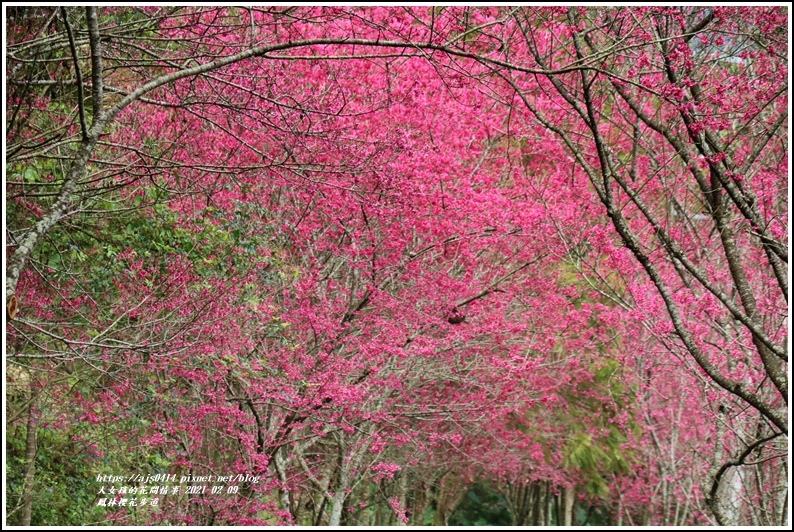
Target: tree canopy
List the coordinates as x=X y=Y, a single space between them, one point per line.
x=382 y=265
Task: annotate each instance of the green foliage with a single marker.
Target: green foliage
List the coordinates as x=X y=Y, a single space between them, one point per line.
x=595 y=448
x=64 y=491
x=594 y=459
x=89 y=246
x=481 y=506
x=594 y=515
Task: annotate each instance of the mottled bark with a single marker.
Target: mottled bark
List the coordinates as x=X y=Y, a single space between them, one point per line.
x=30 y=467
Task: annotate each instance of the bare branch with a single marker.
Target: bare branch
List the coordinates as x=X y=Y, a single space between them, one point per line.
x=78 y=74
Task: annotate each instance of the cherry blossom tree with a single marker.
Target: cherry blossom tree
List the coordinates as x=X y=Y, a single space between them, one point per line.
x=677 y=127
x=369 y=256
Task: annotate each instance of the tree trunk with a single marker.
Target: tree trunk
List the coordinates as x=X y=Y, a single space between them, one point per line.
x=450 y=492
x=558 y=508
x=30 y=467
x=569 y=496
x=549 y=501
x=337 y=504
x=402 y=489
x=417 y=517
x=538 y=506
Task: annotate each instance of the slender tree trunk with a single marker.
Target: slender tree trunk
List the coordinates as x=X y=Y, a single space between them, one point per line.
x=30 y=467
x=539 y=505
x=450 y=492
x=549 y=501
x=558 y=508
x=280 y=464
x=569 y=496
x=379 y=513
x=337 y=505
x=402 y=489
x=419 y=504
x=782 y=519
